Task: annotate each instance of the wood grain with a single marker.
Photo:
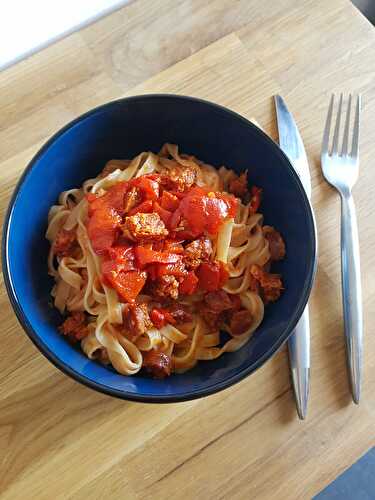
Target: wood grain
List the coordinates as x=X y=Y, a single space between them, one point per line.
x=60 y=440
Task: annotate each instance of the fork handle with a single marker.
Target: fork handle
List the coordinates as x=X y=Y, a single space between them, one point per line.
x=351 y=293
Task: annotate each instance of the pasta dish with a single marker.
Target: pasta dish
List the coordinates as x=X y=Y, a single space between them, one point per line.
x=160 y=262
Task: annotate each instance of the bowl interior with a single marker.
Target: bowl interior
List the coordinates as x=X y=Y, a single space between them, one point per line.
x=121 y=130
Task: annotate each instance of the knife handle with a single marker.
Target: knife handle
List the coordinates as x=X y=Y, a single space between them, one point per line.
x=299 y=360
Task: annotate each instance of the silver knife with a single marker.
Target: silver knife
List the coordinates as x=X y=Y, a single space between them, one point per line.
x=299 y=343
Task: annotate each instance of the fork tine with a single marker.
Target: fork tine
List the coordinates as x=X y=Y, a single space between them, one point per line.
x=344 y=150
x=335 y=144
x=327 y=126
x=355 y=143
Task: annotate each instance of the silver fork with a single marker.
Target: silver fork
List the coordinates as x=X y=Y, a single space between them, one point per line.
x=340 y=169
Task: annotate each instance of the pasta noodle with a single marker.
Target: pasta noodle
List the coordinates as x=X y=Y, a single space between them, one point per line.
x=157 y=256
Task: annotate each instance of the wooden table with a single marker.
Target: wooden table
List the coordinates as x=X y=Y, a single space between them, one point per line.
x=59 y=439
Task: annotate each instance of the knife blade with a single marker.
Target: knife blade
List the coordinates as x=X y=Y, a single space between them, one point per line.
x=290 y=142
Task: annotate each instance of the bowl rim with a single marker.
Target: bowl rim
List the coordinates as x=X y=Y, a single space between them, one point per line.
x=123 y=394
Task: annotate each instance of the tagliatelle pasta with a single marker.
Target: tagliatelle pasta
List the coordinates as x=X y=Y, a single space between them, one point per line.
x=161 y=261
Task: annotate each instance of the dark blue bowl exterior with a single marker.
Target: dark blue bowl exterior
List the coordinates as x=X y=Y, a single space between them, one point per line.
x=121 y=129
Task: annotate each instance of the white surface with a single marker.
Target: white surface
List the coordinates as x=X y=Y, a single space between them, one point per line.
x=28 y=25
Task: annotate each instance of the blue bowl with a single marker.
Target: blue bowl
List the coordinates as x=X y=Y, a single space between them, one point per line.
x=121 y=129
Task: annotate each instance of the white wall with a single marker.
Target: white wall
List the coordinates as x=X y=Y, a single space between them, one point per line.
x=28 y=25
